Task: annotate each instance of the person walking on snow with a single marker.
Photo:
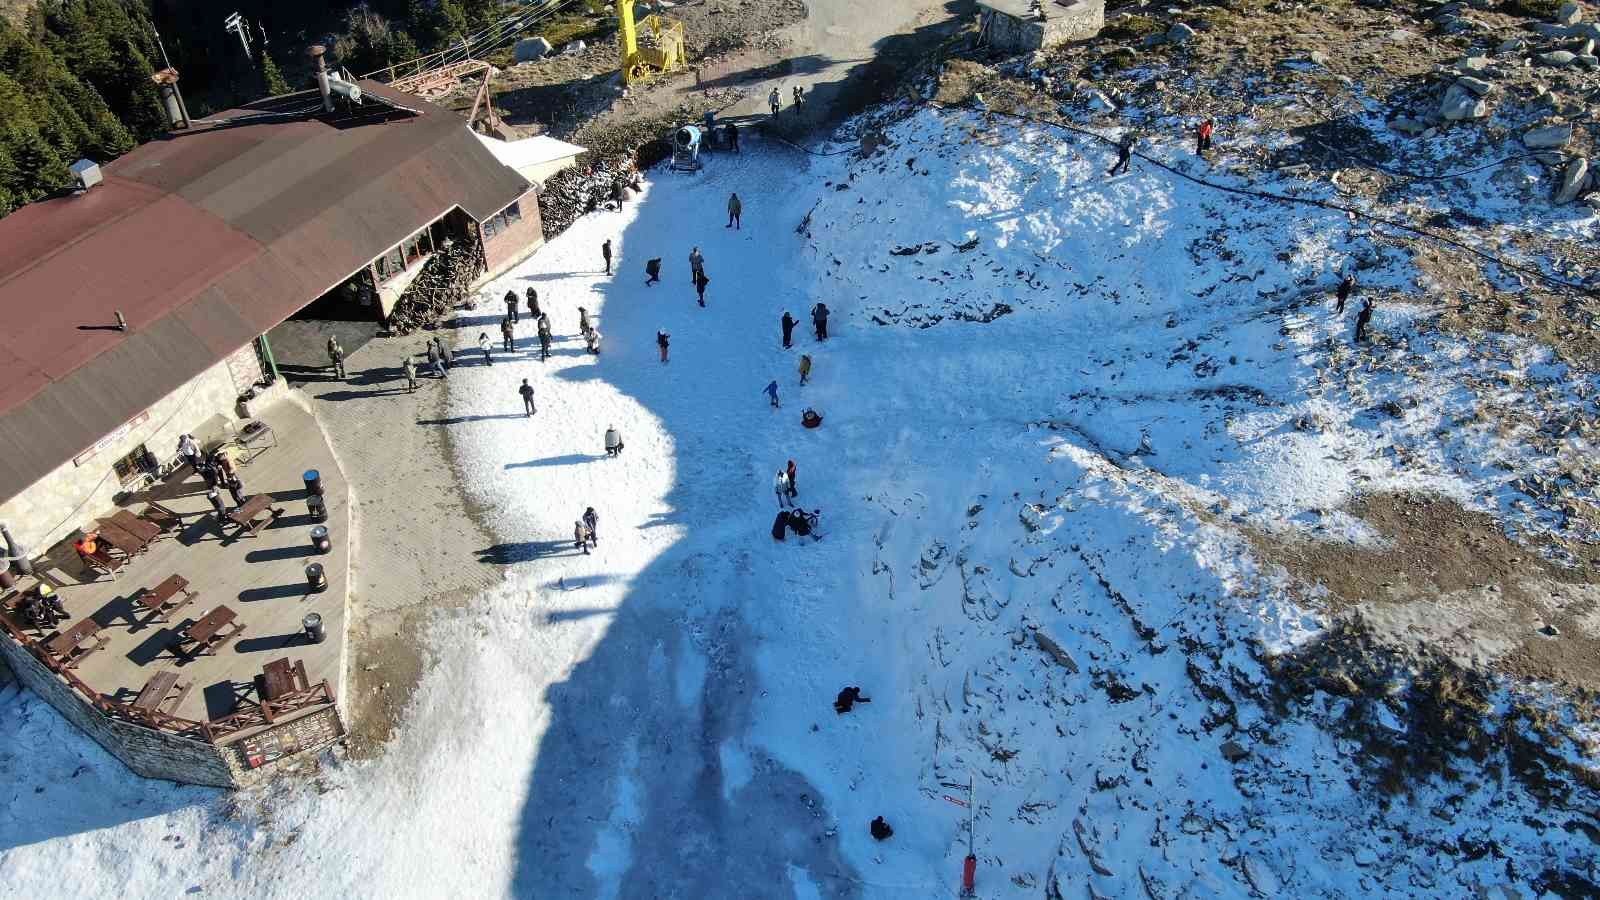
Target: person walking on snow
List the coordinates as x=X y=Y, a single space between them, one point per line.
x=732 y=131
x=583 y=321
x=511 y=306
x=508 y=335
x=1124 y=155
x=580 y=537
x=605 y=251
x=661 y=341
x=591 y=341
x=1362 y=318
x=336 y=356
x=805 y=367
x=410 y=370
x=544 y=338
x=819 y=318
x=446 y=356
x=774 y=102
x=735 y=210
x=526 y=391
x=799 y=99
x=433 y=360
x=533 y=304
x=790 y=473
x=652 y=268
x=771 y=390
x=700 y=282
x=788 y=328
x=697 y=264
x=483 y=344
x=1203 y=137
x=1346 y=285
x=613 y=441
x=780 y=486
x=591 y=521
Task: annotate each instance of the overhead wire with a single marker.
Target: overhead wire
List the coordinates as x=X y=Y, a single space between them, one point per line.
x=1395 y=224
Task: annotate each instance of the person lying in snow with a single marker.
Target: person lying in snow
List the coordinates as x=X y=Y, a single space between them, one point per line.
x=880 y=829
x=810 y=418
x=849 y=697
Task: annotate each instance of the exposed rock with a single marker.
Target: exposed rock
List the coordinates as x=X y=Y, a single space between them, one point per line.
x=1592 y=200
x=1545 y=29
x=1569 y=13
x=530 y=49
x=1408 y=125
x=1572 y=181
x=1550 y=136
x=1473 y=64
x=1317 y=58
x=1366 y=856
x=1584 y=30
x=1100 y=103
x=1061 y=656
x=1550 y=158
x=1193 y=824
x=1233 y=751
x=1513 y=45
x=1476 y=85
x=1460 y=103
x=1589 y=60
x=1179 y=33
x=1261 y=876
x=1557 y=58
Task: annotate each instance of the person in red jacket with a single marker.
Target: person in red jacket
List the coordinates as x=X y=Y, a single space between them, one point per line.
x=1203 y=137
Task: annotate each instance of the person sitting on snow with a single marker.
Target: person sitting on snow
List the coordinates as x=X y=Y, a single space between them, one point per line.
x=613 y=442
x=848 y=698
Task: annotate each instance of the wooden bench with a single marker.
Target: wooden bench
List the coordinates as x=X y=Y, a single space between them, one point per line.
x=77 y=642
x=143 y=529
x=210 y=632
x=249 y=517
x=163 y=693
x=102 y=559
x=167 y=597
x=160 y=516
x=124 y=542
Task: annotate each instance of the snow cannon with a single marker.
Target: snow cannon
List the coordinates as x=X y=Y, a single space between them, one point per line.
x=686 y=149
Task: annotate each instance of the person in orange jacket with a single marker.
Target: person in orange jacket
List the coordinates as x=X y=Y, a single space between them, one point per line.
x=1203 y=137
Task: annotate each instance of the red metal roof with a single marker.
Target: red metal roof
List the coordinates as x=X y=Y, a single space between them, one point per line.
x=204 y=240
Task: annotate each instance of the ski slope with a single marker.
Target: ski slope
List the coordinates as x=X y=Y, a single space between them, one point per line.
x=654 y=719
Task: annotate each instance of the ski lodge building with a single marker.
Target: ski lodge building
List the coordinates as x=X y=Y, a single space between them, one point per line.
x=138 y=308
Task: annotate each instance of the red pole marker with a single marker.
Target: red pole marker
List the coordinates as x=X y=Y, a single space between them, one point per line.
x=969 y=874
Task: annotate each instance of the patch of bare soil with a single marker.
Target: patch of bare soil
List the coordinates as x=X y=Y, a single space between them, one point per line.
x=1450 y=581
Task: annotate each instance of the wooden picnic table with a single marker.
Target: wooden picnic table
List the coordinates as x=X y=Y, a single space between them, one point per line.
x=281 y=678
x=167 y=597
x=246 y=516
x=129 y=544
x=143 y=529
x=207 y=632
x=72 y=645
x=158 y=692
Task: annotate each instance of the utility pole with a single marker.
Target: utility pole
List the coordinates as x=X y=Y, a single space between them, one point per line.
x=236 y=24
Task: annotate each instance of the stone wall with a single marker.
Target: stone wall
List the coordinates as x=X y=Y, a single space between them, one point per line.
x=152 y=754
x=73 y=494
x=1023 y=34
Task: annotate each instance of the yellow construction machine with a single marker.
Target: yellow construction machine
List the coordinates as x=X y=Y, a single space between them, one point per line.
x=663 y=39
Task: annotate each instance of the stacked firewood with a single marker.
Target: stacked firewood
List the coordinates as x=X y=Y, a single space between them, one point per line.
x=441 y=286
x=573 y=192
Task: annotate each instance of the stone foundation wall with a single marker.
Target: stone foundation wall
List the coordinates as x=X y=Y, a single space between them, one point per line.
x=1081 y=20
x=152 y=754
x=70 y=497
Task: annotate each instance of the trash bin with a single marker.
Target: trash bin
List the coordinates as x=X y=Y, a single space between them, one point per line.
x=313 y=483
x=313 y=626
x=320 y=540
x=316 y=579
x=317 y=507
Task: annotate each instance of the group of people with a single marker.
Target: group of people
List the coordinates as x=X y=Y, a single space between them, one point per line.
x=585 y=532
x=775 y=100
x=220 y=469
x=1347 y=286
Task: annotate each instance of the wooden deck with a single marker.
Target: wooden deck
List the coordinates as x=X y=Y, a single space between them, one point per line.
x=262 y=579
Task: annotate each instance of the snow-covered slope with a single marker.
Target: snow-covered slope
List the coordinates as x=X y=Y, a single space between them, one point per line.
x=1048 y=434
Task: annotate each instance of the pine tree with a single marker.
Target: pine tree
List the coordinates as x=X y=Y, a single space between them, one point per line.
x=36 y=168
x=271 y=77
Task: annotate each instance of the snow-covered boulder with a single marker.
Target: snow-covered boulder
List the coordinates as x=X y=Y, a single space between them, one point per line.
x=1179 y=33
x=530 y=49
x=1460 y=103
x=1477 y=86
x=1557 y=58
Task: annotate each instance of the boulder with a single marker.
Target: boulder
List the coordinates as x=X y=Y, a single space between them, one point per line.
x=1545 y=29
x=1584 y=30
x=530 y=49
x=1589 y=61
x=1233 y=751
x=1573 y=181
x=1592 y=200
x=1513 y=45
x=1550 y=158
x=1317 y=58
x=1473 y=64
x=1584 y=47
x=1477 y=86
x=1056 y=652
x=1569 y=13
x=1100 y=103
x=1408 y=125
x=1557 y=58
x=1460 y=103
x=1179 y=33
x=1548 y=137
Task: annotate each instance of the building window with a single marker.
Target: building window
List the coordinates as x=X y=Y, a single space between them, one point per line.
x=513 y=214
x=501 y=220
x=132 y=467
